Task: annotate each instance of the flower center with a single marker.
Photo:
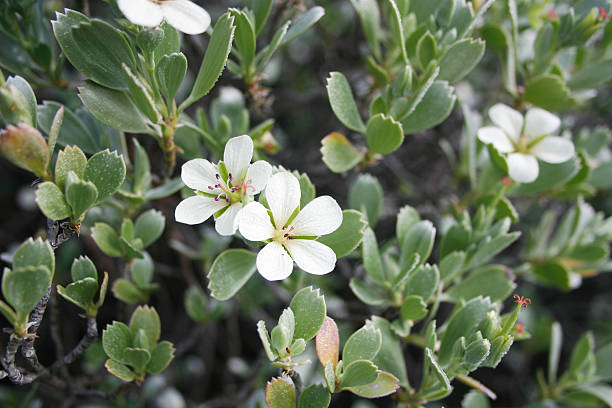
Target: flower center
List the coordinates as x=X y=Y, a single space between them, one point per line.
x=230 y=192
x=283 y=234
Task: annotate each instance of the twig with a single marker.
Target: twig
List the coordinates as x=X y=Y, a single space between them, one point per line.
x=185 y=345
x=8 y=362
x=27 y=349
x=297 y=380
x=55 y=333
x=90 y=334
x=105 y=395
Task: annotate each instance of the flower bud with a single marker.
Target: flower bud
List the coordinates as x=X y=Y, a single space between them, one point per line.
x=149 y=39
x=25 y=147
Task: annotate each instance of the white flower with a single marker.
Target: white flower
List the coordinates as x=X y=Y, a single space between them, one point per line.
x=291 y=239
x=181 y=14
x=525 y=140
x=223 y=193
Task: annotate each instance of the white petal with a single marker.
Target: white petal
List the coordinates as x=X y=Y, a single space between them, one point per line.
x=539 y=122
x=522 y=167
x=496 y=137
x=199 y=174
x=255 y=222
x=273 y=262
x=227 y=223
x=508 y=119
x=554 y=149
x=185 y=16
x=237 y=155
x=259 y=174
x=197 y=209
x=283 y=196
x=312 y=256
x=141 y=12
x=319 y=217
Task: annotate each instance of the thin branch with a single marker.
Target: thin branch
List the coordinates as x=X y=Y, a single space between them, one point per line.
x=90 y=335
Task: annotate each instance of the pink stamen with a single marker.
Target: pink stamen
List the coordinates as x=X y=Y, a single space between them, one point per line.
x=217 y=176
x=229 y=177
x=217 y=198
x=211 y=187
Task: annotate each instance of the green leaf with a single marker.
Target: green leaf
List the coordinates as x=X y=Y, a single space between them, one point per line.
x=370 y=254
x=366 y=293
x=451 y=265
x=51 y=201
x=23 y=287
x=369 y=15
x=161 y=355
x=309 y=309
x=553 y=274
x=580 y=354
x=488 y=248
x=435 y=106
x=137 y=358
x=462 y=323
x=140 y=95
x=499 y=348
x=23 y=87
x=603 y=392
x=171 y=42
x=406 y=219
x=384 y=134
x=359 y=372
x=35 y=253
x=314 y=396
x=460 y=59
x=82 y=268
x=149 y=226
x=426 y=49
x=280 y=338
x=126 y=291
x=115 y=339
x=475 y=399
x=491 y=281
x=73 y=130
x=261 y=11
x=364 y=344
x=244 y=38
x=119 y=370
x=348 y=236
x=390 y=357
x=423 y=282
x=81 y=292
x=80 y=195
x=147 y=319
x=549 y=92
x=385 y=384
x=457 y=238
x=264 y=56
x=69 y=159
x=280 y=394
x=196 y=303
x=107 y=171
x=413 y=308
x=395 y=21
x=265 y=340
x=171 y=70
x=8 y=313
x=142 y=271
x=327 y=343
x=287 y=322
x=592 y=75
x=230 y=271
x=101 y=43
x=366 y=195
x=330 y=377
x=418 y=240
x=164 y=190
x=54 y=132
x=214 y=60
x=142 y=169
x=107 y=239
x=443 y=382
x=343 y=103
x=338 y=153
x=303 y=23
x=603 y=357
x=90 y=67
x=554 y=352
x=113 y=108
